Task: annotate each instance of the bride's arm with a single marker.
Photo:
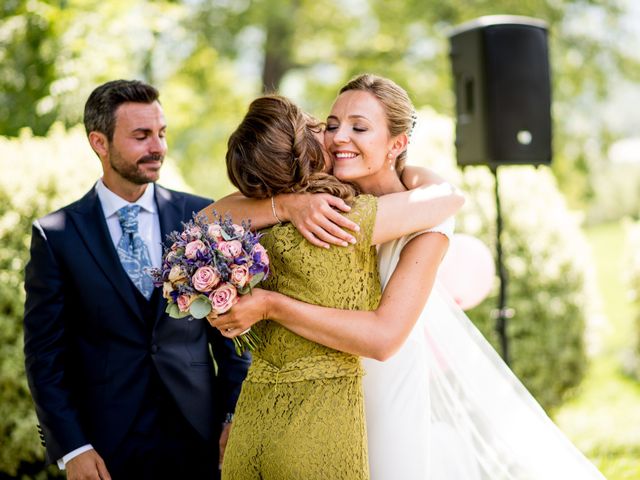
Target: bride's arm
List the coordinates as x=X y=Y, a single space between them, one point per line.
x=398 y=214
x=376 y=334
x=316 y=217
x=402 y=213
x=417 y=177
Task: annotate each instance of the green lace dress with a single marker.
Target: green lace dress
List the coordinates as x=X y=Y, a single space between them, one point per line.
x=300 y=414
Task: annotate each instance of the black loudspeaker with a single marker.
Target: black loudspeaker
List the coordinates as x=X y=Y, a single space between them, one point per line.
x=503 y=91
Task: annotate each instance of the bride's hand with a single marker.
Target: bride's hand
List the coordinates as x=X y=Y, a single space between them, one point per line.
x=248 y=310
x=317 y=218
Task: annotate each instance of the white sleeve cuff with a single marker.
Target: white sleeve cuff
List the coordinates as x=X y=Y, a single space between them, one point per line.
x=62 y=462
x=446 y=228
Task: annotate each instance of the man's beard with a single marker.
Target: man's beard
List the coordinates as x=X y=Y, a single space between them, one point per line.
x=131 y=172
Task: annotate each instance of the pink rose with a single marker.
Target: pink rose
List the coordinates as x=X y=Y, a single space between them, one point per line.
x=238 y=229
x=195 y=232
x=223 y=298
x=167 y=288
x=264 y=258
x=215 y=232
x=193 y=248
x=239 y=275
x=205 y=279
x=191 y=233
x=177 y=274
x=185 y=301
x=230 y=249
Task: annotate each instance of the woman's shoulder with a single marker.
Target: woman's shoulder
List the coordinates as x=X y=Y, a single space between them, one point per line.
x=363 y=212
x=363 y=203
x=364 y=198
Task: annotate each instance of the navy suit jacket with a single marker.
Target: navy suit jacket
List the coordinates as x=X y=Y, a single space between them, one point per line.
x=90 y=352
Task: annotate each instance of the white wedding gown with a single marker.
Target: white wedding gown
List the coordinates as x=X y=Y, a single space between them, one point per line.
x=446 y=407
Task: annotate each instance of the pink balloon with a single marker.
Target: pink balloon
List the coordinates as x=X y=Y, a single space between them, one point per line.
x=467 y=271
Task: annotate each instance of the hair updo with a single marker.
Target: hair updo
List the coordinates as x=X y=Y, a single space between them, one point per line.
x=395 y=101
x=274 y=150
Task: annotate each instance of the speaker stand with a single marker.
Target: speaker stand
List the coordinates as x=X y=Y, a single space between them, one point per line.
x=502 y=314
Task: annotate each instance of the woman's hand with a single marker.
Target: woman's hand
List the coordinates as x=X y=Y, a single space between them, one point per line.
x=317 y=218
x=248 y=310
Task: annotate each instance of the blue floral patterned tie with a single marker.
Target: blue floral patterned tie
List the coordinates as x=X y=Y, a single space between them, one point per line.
x=132 y=250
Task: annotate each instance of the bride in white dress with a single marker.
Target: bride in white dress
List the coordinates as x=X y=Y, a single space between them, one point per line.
x=445 y=406
x=459 y=413
x=440 y=403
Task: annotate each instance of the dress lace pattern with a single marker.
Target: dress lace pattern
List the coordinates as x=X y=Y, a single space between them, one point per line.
x=301 y=410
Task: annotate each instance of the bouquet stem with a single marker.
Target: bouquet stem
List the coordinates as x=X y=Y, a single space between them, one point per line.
x=246 y=341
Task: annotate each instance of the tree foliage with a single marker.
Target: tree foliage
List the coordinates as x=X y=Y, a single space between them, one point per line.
x=29 y=45
x=324 y=44
x=212 y=57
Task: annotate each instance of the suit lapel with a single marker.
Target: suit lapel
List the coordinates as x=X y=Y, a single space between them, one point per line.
x=171 y=213
x=92 y=227
x=170 y=210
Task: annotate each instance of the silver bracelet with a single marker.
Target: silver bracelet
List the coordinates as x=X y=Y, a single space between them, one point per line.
x=273 y=209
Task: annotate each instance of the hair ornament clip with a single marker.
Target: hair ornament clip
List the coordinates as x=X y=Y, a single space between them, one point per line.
x=414 y=119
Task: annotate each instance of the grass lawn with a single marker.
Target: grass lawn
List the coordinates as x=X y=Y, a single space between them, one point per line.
x=603 y=419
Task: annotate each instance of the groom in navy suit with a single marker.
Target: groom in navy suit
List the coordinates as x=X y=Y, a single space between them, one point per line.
x=121 y=389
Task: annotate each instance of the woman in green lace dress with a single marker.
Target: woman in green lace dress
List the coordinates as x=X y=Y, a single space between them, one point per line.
x=301 y=413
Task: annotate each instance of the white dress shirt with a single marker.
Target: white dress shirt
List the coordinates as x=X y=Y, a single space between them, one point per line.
x=149 y=228
x=148 y=219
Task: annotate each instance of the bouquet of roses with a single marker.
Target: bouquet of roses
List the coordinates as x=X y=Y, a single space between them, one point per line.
x=207 y=266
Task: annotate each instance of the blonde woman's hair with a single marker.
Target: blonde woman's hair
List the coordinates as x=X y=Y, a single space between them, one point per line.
x=395 y=101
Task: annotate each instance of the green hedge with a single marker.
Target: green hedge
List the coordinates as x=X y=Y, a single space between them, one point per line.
x=549 y=278
x=550 y=271
x=39 y=174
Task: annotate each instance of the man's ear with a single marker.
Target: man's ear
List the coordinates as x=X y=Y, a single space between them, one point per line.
x=99 y=143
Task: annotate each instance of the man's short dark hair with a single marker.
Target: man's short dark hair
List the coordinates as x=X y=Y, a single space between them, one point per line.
x=101 y=106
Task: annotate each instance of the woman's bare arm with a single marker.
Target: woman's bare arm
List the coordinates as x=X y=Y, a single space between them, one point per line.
x=317 y=216
x=429 y=201
x=419 y=209
x=376 y=334
x=416 y=177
